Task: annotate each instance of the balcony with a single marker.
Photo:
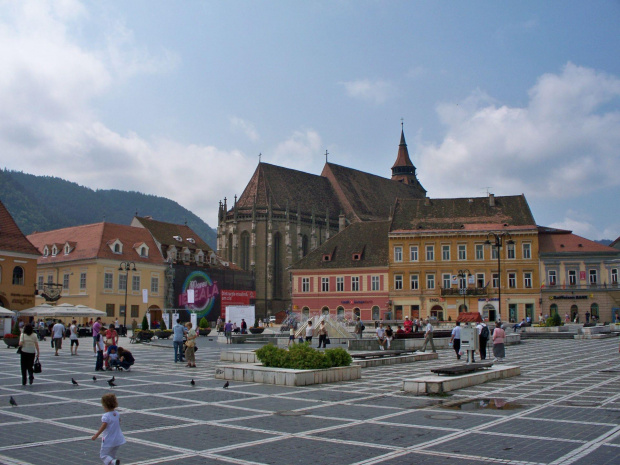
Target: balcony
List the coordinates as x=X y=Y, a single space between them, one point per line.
x=470 y=291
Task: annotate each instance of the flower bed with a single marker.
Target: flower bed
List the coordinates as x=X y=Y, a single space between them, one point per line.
x=303 y=357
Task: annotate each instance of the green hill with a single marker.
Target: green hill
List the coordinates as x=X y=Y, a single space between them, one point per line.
x=43 y=203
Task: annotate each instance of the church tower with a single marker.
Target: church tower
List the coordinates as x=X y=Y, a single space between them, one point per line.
x=403 y=170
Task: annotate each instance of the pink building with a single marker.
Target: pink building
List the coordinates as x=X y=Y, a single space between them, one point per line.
x=347 y=276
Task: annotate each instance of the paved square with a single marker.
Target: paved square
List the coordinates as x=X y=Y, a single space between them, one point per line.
x=564 y=409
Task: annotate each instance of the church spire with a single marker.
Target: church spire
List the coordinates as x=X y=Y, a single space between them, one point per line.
x=403 y=170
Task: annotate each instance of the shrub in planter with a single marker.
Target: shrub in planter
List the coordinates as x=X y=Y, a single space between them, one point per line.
x=554 y=320
x=302 y=357
x=12 y=339
x=145 y=323
x=162 y=325
x=204 y=323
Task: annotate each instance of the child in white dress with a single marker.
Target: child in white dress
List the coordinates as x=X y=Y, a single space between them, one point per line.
x=110 y=431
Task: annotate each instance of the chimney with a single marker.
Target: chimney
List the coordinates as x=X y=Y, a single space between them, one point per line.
x=427 y=201
x=492 y=200
x=341 y=222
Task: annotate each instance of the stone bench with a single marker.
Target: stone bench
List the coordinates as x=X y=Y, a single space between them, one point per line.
x=462 y=369
x=380 y=354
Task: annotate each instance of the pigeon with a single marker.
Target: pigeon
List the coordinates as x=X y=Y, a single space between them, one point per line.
x=192 y=382
x=74 y=382
x=226 y=385
x=94 y=378
x=111 y=383
x=112 y=380
x=12 y=402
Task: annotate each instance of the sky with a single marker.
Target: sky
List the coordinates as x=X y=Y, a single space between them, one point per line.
x=178 y=98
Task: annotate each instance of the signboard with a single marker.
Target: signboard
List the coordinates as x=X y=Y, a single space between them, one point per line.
x=236 y=313
x=204 y=290
x=231 y=297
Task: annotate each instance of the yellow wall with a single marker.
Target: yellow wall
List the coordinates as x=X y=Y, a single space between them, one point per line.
x=17 y=297
x=426 y=298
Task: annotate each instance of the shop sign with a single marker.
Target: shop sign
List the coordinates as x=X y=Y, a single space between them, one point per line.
x=567 y=297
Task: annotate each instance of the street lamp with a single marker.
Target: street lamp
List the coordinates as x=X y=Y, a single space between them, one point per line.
x=126 y=267
x=464 y=274
x=497 y=242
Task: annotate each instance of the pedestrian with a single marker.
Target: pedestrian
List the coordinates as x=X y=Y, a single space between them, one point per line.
x=540 y=319
x=110 y=430
x=29 y=349
x=359 y=328
x=455 y=339
x=125 y=359
x=499 y=336
x=100 y=348
x=228 y=332
x=58 y=334
x=73 y=337
x=190 y=346
x=218 y=325
x=291 y=336
x=389 y=335
x=111 y=341
x=428 y=336
x=483 y=338
x=381 y=336
x=309 y=331
x=244 y=327
x=134 y=327
x=566 y=318
x=178 y=332
x=322 y=335
x=96 y=328
x=408 y=325
x=587 y=317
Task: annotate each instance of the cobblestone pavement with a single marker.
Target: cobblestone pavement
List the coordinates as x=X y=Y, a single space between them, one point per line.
x=563 y=409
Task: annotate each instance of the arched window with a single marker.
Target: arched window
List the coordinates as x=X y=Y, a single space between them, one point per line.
x=117 y=248
x=357 y=312
x=305 y=312
x=18 y=276
x=462 y=308
x=594 y=311
x=277 y=266
x=304 y=245
x=376 y=313
x=553 y=310
x=325 y=311
x=244 y=259
x=340 y=312
x=574 y=313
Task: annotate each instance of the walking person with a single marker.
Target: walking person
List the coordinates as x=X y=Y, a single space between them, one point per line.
x=100 y=349
x=190 y=346
x=322 y=335
x=291 y=336
x=228 y=327
x=110 y=430
x=499 y=336
x=178 y=331
x=483 y=339
x=389 y=335
x=381 y=336
x=96 y=329
x=58 y=334
x=29 y=349
x=244 y=327
x=309 y=332
x=455 y=339
x=358 y=328
x=428 y=336
x=73 y=337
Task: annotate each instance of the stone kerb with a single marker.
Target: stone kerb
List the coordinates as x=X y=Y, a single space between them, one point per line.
x=374 y=362
x=435 y=384
x=238 y=356
x=256 y=373
x=545 y=329
x=416 y=344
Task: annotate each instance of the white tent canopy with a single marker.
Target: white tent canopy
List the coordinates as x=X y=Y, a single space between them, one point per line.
x=35 y=310
x=6 y=313
x=62 y=311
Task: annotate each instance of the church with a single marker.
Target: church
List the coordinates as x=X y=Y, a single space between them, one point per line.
x=283 y=214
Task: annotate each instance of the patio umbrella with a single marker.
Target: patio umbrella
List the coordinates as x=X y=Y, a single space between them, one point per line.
x=35 y=310
x=71 y=311
x=6 y=313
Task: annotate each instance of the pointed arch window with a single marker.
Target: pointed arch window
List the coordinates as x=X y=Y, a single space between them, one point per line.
x=277 y=266
x=244 y=260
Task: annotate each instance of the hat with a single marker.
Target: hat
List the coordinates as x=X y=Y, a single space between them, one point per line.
x=406 y=318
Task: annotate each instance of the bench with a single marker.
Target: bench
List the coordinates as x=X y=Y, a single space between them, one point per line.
x=462 y=369
x=381 y=354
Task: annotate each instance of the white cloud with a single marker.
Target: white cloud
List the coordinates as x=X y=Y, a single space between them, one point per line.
x=299 y=151
x=377 y=91
x=563 y=144
x=246 y=127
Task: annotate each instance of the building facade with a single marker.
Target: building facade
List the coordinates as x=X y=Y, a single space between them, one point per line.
x=579 y=276
x=440 y=263
x=284 y=214
x=84 y=262
x=345 y=277
x=18 y=265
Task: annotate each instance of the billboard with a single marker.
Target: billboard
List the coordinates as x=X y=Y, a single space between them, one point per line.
x=233 y=297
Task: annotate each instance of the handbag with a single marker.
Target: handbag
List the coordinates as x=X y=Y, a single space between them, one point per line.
x=37 y=366
x=19 y=350
x=327 y=341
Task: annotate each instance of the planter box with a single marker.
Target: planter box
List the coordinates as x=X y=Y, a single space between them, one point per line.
x=11 y=342
x=257 y=330
x=163 y=334
x=204 y=331
x=435 y=384
x=256 y=373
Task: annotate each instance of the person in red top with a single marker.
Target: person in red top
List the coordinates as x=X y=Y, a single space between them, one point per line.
x=111 y=341
x=408 y=325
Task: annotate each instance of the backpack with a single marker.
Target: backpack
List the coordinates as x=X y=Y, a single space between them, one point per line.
x=484 y=332
x=363 y=327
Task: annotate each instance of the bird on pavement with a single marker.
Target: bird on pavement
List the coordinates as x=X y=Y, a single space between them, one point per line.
x=111 y=383
x=226 y=385
x=12 y=402
x=94 y=378
x=113 y=379
x=74 y=382
x=192 y=382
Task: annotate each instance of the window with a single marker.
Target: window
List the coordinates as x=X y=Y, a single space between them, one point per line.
x=430 y=253
x=462 y=282
x=50 y=279
x=54 y=251
x=614 y=276
x=398 y=254
x=108 y=278
x=143 y=252
x=154 y=285
x=46 y=251
x=594 y=311
x=305 y=284
x=462 y=252
x=510 y=251
x=415 y=282
x=512 y=280
x=109 y=310
x=121 y=310
x=376 y=313
x=398 y=282
x=479 y=251
x=495 y=279
x=40 y=282
x=325 y=284
x=65 y=281
x=135 y=310
x=374 y=283
x=122 y=282
x=82 y=281
x=135 y=283
x=413 y=253
x=527 y=280
x=430 y=281
x=494 y=252
x=572 y=277
x=18 y=276
x=447 y=280
x=340 y=284
x=67 y=249
x=480 y=280
x=552 y=277
x=527 y=250
x=445 y=252
x=355 y=283
x=117 y=248
x=593 y=277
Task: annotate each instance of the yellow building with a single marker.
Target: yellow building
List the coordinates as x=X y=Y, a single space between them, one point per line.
x=84 y=262
x=444 y=258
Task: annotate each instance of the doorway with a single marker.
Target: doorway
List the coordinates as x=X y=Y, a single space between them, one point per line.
x=488 y=311
x=512 y=313
x=437 y=312
x=574 y=313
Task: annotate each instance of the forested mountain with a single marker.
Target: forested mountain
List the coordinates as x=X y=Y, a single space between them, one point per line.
x=43 y=203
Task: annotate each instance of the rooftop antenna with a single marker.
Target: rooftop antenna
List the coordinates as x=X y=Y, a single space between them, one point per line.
x=487 y=189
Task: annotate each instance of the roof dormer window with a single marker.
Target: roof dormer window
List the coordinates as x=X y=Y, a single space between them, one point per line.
x=46 y=251
x=116 y=246
x=327 y=258
x=191 y=240
x=144 y=252
x=54 y=250
x=357 y=257
x=178 y=238
x=67 y=249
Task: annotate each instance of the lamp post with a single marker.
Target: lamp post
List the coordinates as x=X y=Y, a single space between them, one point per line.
x=497 y=242
x=464 y=274
x=126 y=267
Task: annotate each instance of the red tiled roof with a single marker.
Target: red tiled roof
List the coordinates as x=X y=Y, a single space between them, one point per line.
x=565 y=242
x=164 y=234
x=402 y=159
x=11 y=237
x=92 y=241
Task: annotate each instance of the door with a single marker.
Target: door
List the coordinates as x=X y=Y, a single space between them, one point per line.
x=437 y=312
x=375 y=313
x=398 y=311
x=512 y=313
x=529 y=311
x=415 y=312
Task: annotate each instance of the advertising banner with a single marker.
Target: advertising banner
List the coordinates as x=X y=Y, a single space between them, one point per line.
x=231 y=297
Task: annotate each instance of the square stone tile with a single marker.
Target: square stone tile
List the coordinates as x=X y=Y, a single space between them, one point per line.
x=380 y=434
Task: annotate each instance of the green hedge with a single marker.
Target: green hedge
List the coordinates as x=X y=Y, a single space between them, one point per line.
x=303 y=357
x=554 y=320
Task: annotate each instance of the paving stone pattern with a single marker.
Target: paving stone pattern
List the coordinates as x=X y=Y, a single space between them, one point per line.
x=563 y=409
